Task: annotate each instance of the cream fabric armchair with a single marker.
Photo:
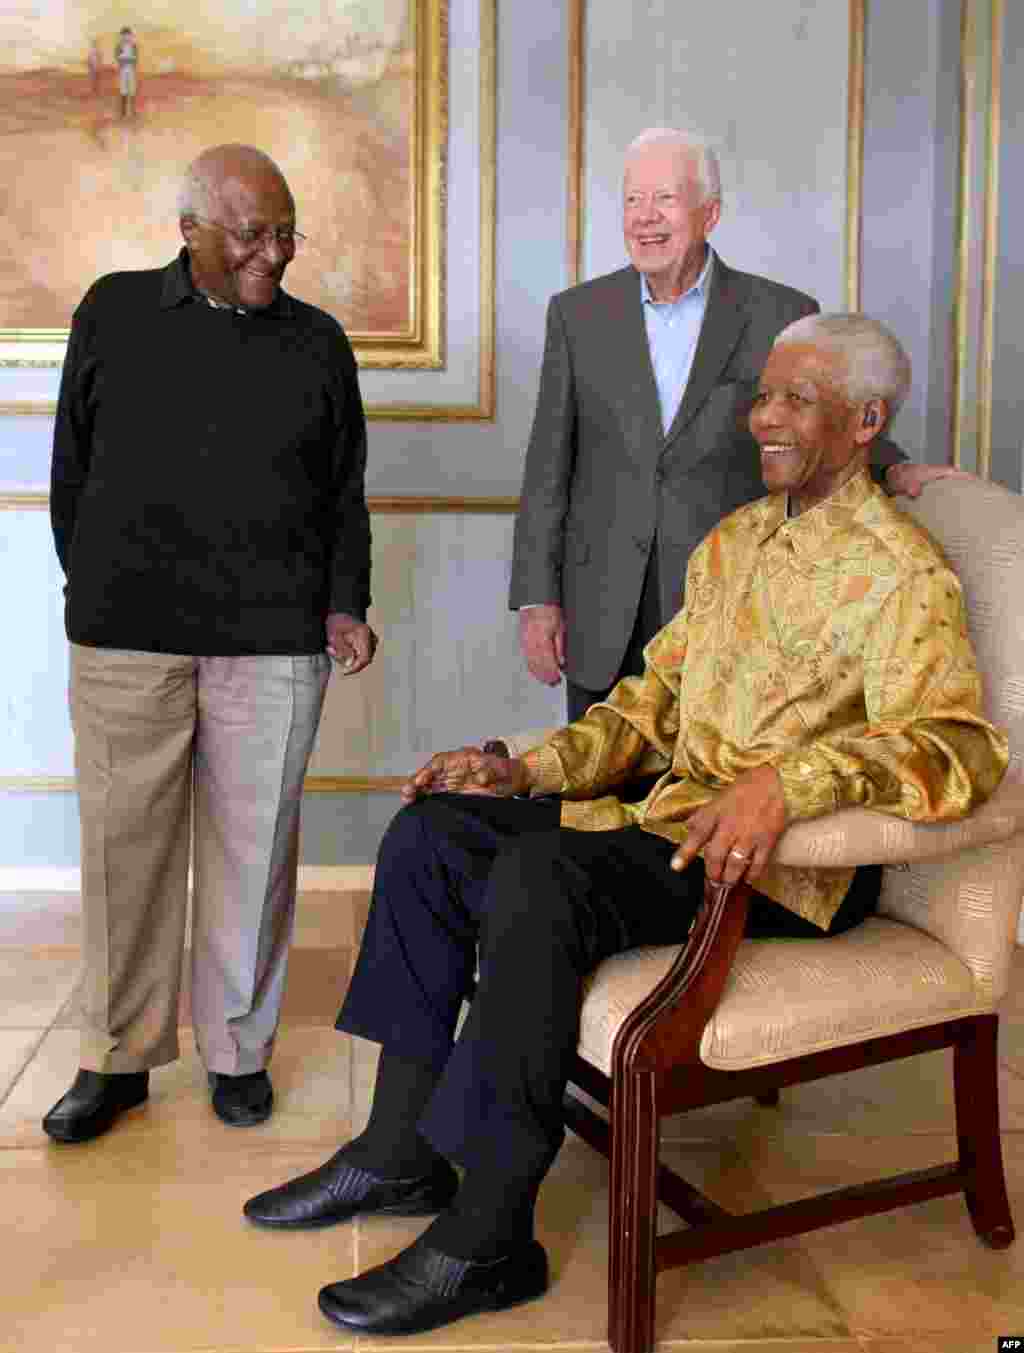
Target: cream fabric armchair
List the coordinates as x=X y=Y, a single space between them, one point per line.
x=672 y=1028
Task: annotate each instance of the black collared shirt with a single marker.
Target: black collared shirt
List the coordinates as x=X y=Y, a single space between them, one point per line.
x=207 y=483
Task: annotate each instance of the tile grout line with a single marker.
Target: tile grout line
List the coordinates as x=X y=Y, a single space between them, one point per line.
x=1008 y=1065
x=53 y=1024
x=15 y=1080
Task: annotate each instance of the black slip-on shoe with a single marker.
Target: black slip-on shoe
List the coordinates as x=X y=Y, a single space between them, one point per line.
x=241 y=1101
x=337 y=1192
x=93 y=1103
x=422 y=1289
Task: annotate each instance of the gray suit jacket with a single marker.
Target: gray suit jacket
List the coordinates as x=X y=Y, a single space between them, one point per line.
x=602 y=480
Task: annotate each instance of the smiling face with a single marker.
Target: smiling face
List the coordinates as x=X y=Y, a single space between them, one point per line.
x=813 y=437
x=250 y=196
x=664 y=222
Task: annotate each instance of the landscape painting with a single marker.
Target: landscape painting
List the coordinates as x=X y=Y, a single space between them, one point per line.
x=103 y=103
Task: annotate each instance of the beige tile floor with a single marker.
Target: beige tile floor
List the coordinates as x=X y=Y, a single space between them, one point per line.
x=134 y=1243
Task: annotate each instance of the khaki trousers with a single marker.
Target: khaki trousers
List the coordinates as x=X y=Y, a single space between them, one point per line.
x=172 y=750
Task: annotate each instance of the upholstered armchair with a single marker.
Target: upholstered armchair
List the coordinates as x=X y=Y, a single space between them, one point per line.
x=668 y=1029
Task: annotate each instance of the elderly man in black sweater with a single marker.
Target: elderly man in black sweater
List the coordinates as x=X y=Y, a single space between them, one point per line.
x=209 y=513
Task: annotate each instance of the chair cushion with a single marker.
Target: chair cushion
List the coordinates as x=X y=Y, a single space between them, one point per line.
x=785 y=998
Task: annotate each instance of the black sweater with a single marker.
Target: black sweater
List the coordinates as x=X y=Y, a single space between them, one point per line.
x=207 y=483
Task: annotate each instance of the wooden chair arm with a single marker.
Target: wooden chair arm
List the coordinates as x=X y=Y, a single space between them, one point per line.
x=666 y=1027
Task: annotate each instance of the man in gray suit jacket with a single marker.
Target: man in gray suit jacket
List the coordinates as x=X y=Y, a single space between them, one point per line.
x=640 y=441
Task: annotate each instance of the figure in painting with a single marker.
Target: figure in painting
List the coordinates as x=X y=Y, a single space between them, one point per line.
x=126 y=54
x=95 y=63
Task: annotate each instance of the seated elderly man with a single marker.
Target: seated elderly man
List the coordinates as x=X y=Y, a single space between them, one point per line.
x=820 y=660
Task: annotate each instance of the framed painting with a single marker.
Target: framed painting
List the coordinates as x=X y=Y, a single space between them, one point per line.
x=103 y=103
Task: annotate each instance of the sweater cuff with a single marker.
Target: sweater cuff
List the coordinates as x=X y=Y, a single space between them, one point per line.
x=545 y=767
x=347 y=606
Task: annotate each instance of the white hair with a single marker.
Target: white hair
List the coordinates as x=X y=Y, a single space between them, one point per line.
x=877 y=365
x=709 y=177
x=201 y=183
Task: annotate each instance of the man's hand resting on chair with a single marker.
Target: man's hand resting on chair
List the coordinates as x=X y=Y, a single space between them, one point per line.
x=738 y=830
x=909 y=479
x=468 y=771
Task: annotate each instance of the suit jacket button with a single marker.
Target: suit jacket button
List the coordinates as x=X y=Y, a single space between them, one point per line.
x=642 y=542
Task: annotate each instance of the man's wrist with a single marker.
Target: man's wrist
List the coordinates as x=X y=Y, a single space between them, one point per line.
x=498 y=747
x=525 y=786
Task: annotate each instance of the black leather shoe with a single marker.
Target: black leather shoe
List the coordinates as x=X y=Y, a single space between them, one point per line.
x=422 y=1289
x=92 y=1104
x=337 y=1192
x=241 y=1101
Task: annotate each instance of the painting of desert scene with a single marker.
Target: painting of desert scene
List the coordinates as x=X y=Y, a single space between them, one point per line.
x=103 y=103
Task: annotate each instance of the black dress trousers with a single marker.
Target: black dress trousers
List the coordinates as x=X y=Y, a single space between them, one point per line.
x=468 y=880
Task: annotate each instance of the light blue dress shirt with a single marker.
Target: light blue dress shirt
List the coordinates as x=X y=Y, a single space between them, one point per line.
x=673 y=328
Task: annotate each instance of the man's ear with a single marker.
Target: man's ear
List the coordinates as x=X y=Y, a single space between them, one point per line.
x=874 y=415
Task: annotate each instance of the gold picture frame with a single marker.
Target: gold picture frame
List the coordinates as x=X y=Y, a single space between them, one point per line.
x=352 y=103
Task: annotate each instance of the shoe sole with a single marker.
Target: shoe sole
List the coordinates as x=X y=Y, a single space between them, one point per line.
x=73 y=1138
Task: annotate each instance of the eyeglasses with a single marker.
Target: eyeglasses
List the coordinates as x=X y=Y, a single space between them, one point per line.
x=258 y=237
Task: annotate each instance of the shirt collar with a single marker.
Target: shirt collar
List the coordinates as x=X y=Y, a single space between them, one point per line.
x=699 y=288
x=812 y=532
x=178 y=288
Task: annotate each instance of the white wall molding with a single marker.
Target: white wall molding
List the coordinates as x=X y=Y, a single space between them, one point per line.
x=313 y=878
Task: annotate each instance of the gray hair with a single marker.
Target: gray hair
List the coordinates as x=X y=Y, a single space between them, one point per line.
x=877 y=365
x=201 y=183
x=709 y=177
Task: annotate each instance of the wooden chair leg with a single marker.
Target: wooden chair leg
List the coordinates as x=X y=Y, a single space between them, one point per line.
x=632 y=1215
x=976 y=1087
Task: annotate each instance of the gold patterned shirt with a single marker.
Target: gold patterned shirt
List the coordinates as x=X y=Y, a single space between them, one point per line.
x=832 y=646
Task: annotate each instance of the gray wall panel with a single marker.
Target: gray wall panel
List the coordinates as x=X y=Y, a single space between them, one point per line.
x=905 y=174
x=1008 y=364
x=745 y=77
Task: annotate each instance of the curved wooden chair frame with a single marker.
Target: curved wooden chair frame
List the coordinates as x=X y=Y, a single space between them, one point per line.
x=656 y=1071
